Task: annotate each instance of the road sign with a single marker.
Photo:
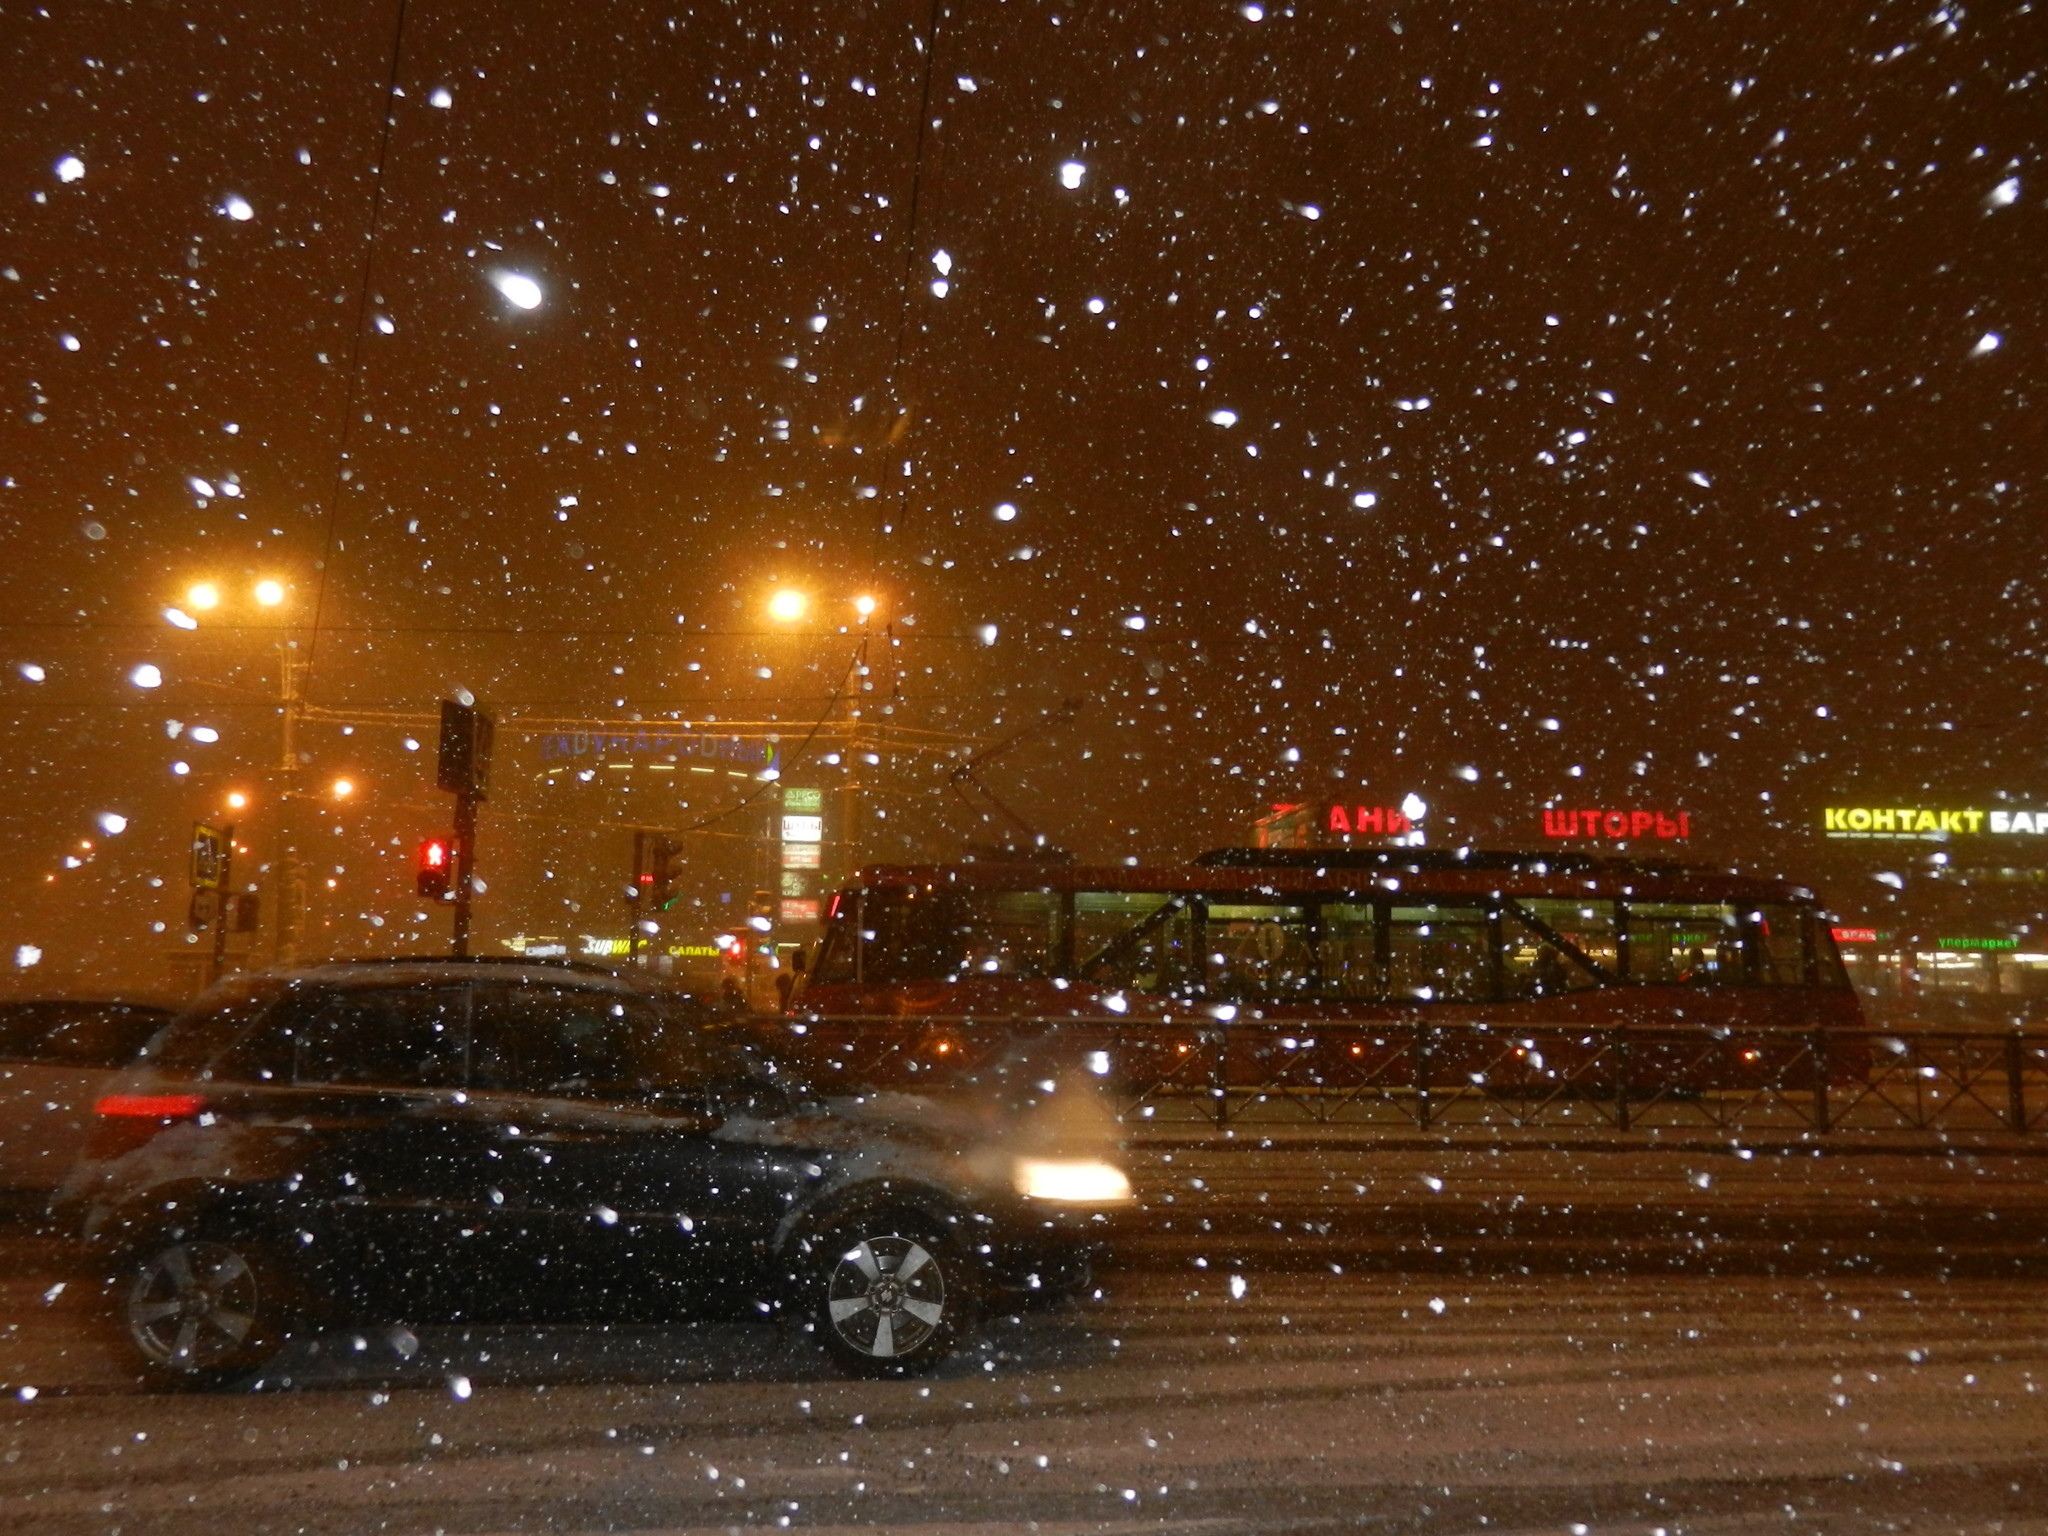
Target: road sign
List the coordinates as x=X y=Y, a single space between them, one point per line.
x=205 y=908
x=209 y=849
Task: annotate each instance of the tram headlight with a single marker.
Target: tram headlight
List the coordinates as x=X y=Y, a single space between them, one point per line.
x=1071 y=1181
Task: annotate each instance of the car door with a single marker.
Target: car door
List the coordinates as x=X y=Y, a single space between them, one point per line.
x=616 y=1169
x=398 y=1160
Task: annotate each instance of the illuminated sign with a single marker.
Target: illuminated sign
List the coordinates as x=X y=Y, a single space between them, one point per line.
x=660 y=743
x=1370 y=820
x=1976 y=943
x=1915 y=822
x=1855 y=935
x=794 y=799
x=804 y=911
x=800 y=856
x=803 y=829
x=1661 y=826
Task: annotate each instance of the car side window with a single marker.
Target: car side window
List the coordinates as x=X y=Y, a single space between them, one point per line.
x=88 y=1035
x=98 y=1037
x=568 y=1042
x=399 y=1037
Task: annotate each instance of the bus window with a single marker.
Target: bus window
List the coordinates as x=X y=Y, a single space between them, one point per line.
x=1004 y=933
x=1439 y=954
x=1348 y=953
x=1693 y=944
x=1778 y=946
x=1143 y=940
x=902 y=936
x=1258 y=950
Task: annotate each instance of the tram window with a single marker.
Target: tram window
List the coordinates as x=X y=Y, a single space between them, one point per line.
x=1258 y=950
x=1828 y=968
x=1540 y=958
x=1439 y=954
x=1003 y=933
x=902 y=937
x=1693 y=944
x=1348 y=952
x=834 y=963
x=1778 y=946
x=1143 y=940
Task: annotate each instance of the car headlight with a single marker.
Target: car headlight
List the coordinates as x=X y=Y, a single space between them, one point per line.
x=1074 y=1181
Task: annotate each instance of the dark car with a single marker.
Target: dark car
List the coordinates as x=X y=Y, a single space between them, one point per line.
x=422 y=1140
x=56 y=1055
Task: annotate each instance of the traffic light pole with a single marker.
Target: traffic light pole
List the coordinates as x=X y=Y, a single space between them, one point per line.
x=464 y=770
x=465 y=863
x=636 y=899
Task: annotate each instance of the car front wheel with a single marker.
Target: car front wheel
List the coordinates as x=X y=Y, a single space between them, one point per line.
x=196 y=1312
x=891 y=1294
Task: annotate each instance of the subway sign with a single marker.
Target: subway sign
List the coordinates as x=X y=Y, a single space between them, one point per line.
x=1899 y=821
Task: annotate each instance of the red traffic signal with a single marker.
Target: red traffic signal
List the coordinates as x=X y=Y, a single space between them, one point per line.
x=437 y=860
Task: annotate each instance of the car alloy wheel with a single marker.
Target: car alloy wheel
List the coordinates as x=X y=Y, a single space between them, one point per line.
x=893 y=1295
x=198 y=1310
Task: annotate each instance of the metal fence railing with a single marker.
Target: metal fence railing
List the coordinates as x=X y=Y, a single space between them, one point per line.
x=1451 y=1077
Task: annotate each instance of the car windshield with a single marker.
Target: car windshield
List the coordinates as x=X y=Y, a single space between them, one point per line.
x=985 y=765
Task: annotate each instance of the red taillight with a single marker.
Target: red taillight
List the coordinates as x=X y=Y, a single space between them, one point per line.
x=150 y=1106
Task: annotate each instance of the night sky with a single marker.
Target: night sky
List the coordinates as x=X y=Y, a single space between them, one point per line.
x=1619 y=404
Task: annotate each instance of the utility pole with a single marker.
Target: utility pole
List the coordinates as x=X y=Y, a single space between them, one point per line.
x=850 y=787
x=291 y=892
x=223 y=900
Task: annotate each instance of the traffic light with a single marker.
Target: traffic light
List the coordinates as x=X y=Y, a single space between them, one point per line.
x=655 y=866
x=464 y=762
x=661 y=872
x=437 y=859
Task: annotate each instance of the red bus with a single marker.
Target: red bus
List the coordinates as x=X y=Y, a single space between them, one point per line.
x=1324 y=970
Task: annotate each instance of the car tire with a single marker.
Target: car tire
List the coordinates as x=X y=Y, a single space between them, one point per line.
x=196 y=1311
x=891 y=1292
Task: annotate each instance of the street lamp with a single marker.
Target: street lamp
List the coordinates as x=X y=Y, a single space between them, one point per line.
x=788 y=605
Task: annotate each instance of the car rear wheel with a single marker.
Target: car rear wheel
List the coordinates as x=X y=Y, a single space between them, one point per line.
x=892 y=1294
x=196 y=1312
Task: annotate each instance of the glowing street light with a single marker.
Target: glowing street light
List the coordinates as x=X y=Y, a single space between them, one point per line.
x=204 y=595
x=787 y=605
x=865 y=606
x=343 y=788
x=237 y=800
x=269 y=593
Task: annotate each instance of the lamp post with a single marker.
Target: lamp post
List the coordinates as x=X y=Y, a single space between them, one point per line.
x=289 y=886
x=787 y=605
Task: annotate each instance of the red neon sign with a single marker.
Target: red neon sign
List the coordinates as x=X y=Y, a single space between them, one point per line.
x=1370 y=820
x=1637 y=825
x=1855 y=935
